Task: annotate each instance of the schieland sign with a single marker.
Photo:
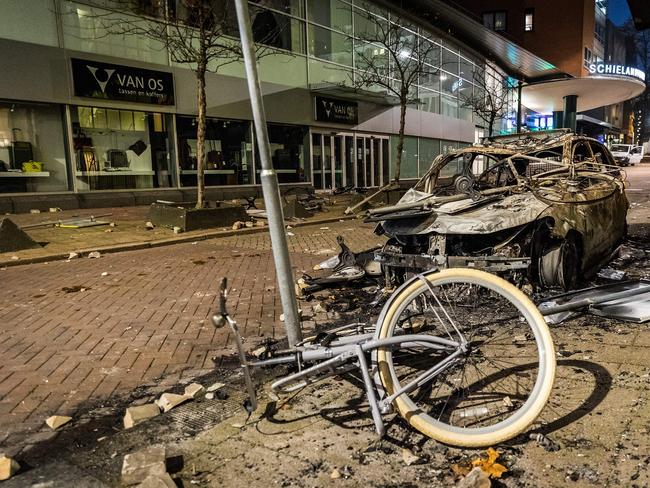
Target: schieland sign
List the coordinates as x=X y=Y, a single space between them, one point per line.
x=339 y=111
x=616 y=69
x=116 y=82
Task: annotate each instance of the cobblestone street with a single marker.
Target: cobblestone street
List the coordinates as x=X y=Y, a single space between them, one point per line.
x=72 y=333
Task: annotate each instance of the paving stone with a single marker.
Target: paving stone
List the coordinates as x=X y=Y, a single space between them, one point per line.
x=140 y=413
x=138 y=466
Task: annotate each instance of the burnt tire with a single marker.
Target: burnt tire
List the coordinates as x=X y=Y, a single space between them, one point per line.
x=559 y=264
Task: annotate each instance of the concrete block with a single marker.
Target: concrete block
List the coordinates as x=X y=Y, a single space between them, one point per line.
x=56 y=421
x=8 y=467
x=138 y=466
x=167 y=401
x=194 y=390
x=135 y=415
x=158 y=481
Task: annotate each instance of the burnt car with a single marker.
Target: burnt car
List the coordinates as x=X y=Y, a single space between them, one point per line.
x=545 y=208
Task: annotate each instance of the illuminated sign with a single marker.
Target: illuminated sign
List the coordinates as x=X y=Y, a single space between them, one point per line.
x=616 y=69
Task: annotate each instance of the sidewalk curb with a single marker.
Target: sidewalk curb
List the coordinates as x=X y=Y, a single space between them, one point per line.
x=136 y=246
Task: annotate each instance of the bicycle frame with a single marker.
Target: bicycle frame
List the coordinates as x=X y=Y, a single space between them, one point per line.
x=343 y=355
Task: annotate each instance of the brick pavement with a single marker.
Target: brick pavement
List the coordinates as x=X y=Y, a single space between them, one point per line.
x=147 y=319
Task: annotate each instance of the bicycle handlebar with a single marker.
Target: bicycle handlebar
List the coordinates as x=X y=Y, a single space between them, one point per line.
x=223 y=294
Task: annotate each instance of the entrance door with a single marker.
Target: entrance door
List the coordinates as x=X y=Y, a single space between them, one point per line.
x=331 y=160
x=371 y=160
x=340 y=159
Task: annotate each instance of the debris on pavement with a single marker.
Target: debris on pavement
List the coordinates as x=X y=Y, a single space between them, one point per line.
x=238 y=225
x=8 y=467
x=335 y=474
x=56 y=421
x=140 y=413
x=410 y=458
x=194 y=390
x=73 y=255
x=627 y=300
x=138 y=466
x=167 y=401
x=158 y=481
x=612 y=274
x=177 y=230
x=476 y=478
x=215 y=387
x=94 y=255
x=13 y=238
x=548 y=444
x=488 y=464
x=149 y=225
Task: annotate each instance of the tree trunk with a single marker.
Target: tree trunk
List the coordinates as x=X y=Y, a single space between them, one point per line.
x=200 y=127
x=400 y=138
x=491 y=125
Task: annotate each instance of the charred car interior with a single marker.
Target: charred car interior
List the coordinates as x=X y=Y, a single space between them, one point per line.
x=544 y=208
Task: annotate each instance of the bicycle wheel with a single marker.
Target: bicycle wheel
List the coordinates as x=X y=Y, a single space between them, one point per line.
x=497 y=387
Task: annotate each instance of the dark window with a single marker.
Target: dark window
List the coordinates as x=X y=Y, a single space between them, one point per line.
x=529 y=19
x=289 y=152
x=495 y=20
x=227 y=152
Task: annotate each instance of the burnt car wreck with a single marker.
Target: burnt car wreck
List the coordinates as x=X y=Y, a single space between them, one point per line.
x=544 y=208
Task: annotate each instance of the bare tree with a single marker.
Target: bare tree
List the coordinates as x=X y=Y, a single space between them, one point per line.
x=201 y=34
x=490 y=99
x=392 y=58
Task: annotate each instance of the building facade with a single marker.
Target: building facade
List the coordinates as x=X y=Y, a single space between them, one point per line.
x=578 y=39
x=87 y=115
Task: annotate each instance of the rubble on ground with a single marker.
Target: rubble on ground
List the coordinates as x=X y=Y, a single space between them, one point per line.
x=140 y=413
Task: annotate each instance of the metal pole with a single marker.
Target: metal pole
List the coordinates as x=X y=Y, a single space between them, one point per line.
x=519 y=86
x=269 y=179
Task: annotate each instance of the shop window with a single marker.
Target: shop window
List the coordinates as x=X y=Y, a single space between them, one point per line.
x=121 y=149
x=449 y=106
x=428 y=152
x=32 y=148
x=289 y=152
x=409 y=164
x=227 y=150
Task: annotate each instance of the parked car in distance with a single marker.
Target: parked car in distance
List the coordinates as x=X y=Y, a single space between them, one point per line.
x=627 y=154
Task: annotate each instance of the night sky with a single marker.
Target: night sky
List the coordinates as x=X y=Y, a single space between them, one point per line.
x=618 y=11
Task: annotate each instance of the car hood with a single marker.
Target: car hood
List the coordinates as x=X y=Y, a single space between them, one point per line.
x=485 y=216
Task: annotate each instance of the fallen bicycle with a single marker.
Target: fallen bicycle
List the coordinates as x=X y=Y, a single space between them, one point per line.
x=464 y=356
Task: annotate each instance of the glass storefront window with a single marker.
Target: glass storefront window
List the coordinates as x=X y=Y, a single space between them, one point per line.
x=39 y=15
x=449 y=106
x=449 y=84
x=429 y=150
x=276 y=30
x=449 y=61
x=32 y=148
x=409 y=165
x=430 y=101
x=289 y=152
x=228 y=152
x=291 y=7
x=329 y=45
x=121 y=149
x=331 y=13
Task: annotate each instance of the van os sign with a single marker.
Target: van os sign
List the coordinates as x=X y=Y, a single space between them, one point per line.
x=115 y=82
x=616 y=69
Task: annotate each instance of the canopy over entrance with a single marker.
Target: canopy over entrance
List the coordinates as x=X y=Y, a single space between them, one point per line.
x=591 y=92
